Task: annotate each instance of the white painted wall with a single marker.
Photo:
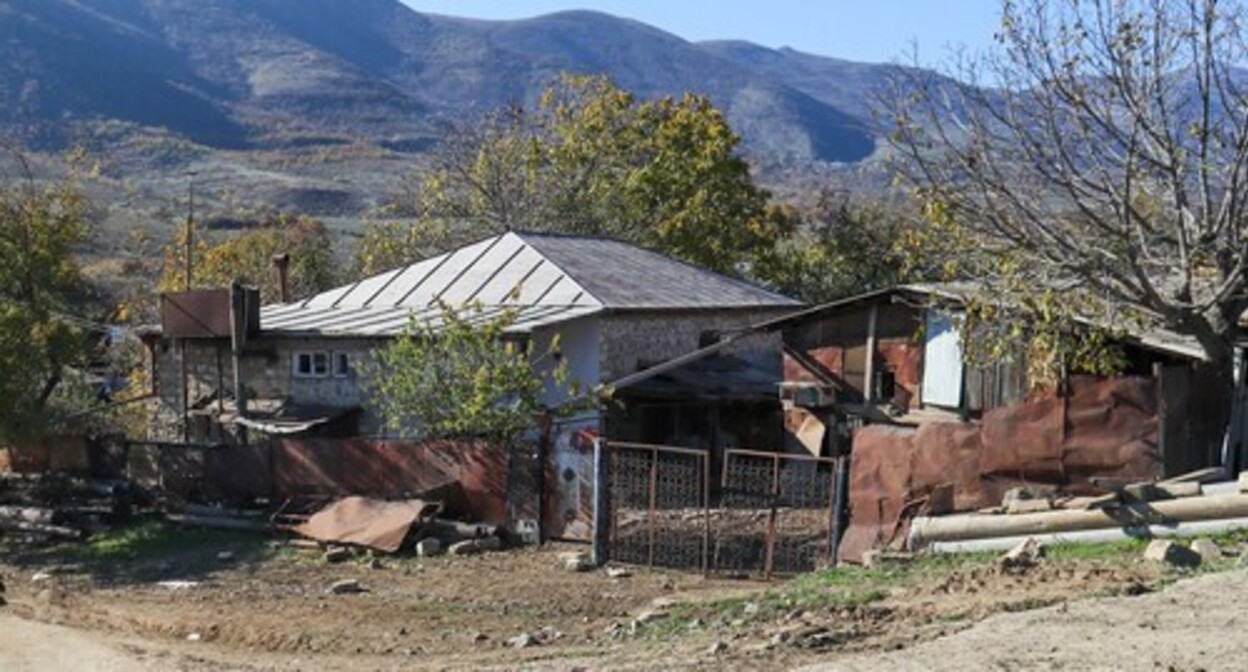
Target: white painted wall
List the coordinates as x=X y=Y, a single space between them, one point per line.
x=579 y=342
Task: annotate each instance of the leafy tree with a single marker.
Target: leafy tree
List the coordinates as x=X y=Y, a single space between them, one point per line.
x=1103 y=163
x=843 y=247
x=41 y=224
x=461 y=375
x=592 y=159
x=247 y=256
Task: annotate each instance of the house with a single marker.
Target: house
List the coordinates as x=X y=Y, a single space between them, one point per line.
x=614 y=307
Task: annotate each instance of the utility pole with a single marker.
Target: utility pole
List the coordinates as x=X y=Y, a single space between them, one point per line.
x=190 y=226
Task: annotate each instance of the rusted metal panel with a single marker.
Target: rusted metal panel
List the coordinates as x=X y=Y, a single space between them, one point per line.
x=205 y=313
x=1103 y=428
x=339 y=467
x=903 y=360
x=373 y=523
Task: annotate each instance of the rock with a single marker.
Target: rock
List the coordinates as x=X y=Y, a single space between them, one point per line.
x=40 y=577
x=649 y=617
x=1022 y=556
x=1164 y=550
x=1028 y=506
x=750 y=608
x=1207 y=549
x=376 y=563
x=665 y=601
x=1017 y=494
x=480 y=637
x=780 y=638
x=474 y=546
x=337 y=554
x=428 y=547
x=345 y=587
x=717 y=648
x=178 y=584
x=522 y=641
x=225 y=556
x=619 y=572
x=194 y=637
x=578 y=562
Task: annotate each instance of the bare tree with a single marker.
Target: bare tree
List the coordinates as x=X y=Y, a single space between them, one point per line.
x=1100 y=147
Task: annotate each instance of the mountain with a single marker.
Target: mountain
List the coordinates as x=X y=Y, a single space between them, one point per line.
x=318 y=105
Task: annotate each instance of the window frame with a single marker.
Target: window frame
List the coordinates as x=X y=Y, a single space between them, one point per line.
x=298 y=358
x=340 y=357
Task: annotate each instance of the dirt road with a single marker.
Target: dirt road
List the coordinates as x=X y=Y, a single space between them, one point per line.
x=1196 y=624
x=28 y=646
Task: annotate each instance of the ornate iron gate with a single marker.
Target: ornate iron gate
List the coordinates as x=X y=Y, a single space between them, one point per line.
x=777 y=513
x=658 y=505
x=774 y=513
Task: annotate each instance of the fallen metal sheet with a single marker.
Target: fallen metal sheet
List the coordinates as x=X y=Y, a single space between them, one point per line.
x=373 y=523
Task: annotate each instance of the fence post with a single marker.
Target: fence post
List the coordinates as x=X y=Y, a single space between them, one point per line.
x=602 y=505
x=840 y=514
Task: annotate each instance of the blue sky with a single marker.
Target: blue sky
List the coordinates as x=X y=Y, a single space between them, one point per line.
x=861 y=30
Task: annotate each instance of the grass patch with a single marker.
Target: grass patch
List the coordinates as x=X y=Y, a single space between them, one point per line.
x=1128 y=550
x=132 y=550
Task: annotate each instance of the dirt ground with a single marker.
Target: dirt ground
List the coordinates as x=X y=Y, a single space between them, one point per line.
x=258 y=608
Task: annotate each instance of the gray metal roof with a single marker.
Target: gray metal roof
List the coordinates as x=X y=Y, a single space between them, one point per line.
x=547 y=278
x=624 y=276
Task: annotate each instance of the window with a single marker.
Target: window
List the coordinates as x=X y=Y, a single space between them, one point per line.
x=311 y=364
x=342 y=365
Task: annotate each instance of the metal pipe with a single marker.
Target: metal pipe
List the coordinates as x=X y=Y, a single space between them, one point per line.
x=1103 y=536
x=926 y=530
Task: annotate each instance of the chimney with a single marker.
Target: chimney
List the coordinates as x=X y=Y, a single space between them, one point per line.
x=281 y=264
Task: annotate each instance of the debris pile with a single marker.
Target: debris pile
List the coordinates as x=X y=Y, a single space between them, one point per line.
x=390 y=526
x=37 y=508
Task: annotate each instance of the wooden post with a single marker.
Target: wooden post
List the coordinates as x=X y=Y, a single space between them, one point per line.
x=545 y=425
x=868 y=391
x=238 y=333
x=185 y=392
x=602 y=505
x=1162 y=410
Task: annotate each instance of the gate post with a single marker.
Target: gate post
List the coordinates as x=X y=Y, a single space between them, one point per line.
x=602 y=502
x=840 y=513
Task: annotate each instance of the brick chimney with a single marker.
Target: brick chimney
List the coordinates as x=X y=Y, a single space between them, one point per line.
x=281 y=264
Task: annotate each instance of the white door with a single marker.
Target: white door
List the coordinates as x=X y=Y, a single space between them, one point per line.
x=942 y=362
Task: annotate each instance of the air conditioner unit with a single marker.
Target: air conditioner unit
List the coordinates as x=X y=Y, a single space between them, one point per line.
x=806 y=395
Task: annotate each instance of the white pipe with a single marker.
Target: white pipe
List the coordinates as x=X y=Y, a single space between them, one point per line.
x=1102 y=536
x=925 y=530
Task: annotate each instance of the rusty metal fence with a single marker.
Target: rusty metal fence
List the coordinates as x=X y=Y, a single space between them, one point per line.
x=767 y=514
x=659 y=506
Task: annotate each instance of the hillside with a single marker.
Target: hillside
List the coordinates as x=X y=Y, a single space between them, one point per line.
x=322 y=106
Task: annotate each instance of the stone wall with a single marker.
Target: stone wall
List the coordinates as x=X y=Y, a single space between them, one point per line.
x=267 y=371
x=635 y=340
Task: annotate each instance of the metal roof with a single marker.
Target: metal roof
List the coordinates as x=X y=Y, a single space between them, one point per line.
x=547 y=278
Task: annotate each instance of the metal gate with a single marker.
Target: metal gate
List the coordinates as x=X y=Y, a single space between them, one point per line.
x=777 y=513
x=659 y=507
x=773 y=513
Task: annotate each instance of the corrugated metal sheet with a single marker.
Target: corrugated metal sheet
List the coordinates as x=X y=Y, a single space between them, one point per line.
x=547 y=278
